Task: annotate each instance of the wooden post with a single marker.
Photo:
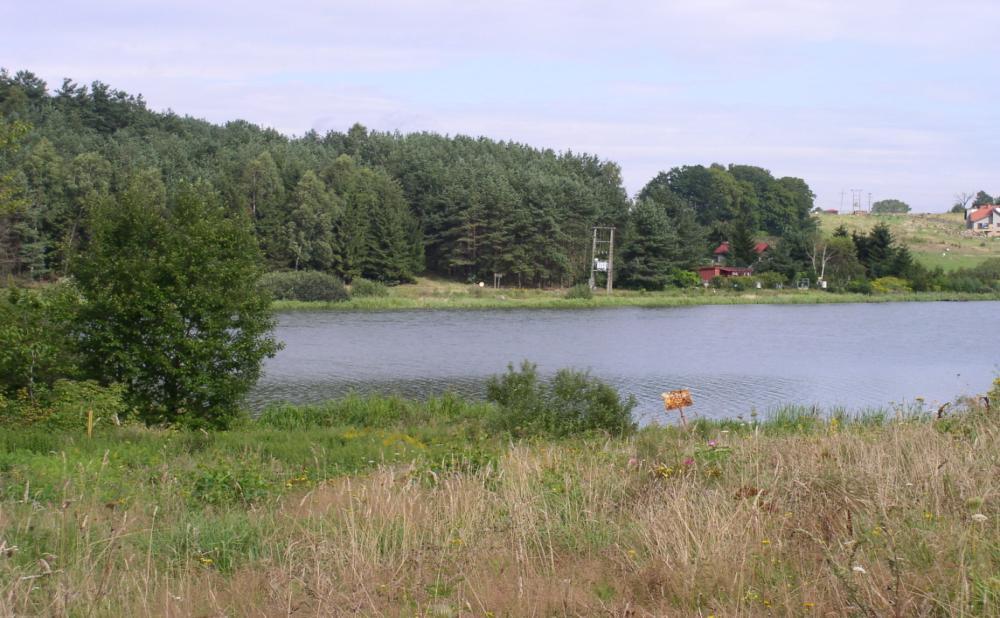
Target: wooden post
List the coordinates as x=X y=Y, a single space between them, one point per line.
x=90 y=423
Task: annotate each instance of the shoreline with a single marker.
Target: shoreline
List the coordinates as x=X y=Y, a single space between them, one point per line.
x=521 y=299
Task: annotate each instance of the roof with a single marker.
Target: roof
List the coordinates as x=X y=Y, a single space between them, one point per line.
x=758 y=248
x=976 y=215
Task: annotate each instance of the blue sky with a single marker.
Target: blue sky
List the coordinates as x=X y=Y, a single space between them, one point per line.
x=898 y=98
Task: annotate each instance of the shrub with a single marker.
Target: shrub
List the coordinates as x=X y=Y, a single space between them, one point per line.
x=684 y=279
x=859 y=286
x=171 y=306
x=37 y=346
x=580 y=291
x=890 y=285
x=367 y=287
x=65 y=406
x=572 y=402
x=304 y=285
x=770 y=279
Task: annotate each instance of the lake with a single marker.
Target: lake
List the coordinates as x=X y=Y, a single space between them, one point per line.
x=735 y=358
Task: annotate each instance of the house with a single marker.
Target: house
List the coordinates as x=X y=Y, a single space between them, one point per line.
x=722 y=251
x=717 y=270
x=832 y=211
x=984 y=220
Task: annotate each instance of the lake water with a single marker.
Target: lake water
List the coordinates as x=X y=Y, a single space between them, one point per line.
x=733 y=358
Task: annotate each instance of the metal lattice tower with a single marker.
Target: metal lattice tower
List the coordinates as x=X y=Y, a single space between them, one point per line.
x=602 y=256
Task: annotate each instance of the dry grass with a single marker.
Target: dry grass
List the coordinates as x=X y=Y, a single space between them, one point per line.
x=824 y=521
x=935 y=239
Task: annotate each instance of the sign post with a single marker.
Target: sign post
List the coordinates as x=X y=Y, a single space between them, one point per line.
x=677 y=400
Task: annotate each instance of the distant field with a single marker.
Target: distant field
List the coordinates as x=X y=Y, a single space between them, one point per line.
x=934 y=239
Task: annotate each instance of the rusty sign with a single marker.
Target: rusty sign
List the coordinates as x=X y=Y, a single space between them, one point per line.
x=675 y=400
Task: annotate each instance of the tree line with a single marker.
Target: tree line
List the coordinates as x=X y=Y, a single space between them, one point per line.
x=359 y=203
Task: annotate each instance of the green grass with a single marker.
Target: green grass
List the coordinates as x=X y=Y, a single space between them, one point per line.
x=554 y=299
x=935 y=239
x=384 y=506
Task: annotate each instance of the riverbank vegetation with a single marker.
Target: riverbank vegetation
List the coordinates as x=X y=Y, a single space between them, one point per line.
x=379 y=506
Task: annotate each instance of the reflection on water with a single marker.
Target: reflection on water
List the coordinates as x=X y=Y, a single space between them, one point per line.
x=733 y=358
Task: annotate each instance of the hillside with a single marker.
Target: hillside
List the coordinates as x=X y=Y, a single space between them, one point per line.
x=934 y=239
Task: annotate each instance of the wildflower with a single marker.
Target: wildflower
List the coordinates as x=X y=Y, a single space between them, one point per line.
x=712 y=444
x=808 y=605
x=688 y=461
x=631 y=553
x=205 y=560
x=979 y=517
x=857 y=568
x=766 y=542
x=632 y=462
x=928 y=515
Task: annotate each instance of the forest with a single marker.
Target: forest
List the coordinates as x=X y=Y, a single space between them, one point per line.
x=378 y=205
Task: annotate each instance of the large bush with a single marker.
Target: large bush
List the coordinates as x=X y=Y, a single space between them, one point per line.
x=171 y=309
x=305 y=285
x=572 y=402
x=891 y=285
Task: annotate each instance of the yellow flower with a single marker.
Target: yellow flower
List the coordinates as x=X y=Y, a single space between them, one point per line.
x=766 y=542
x=205 y=560
x=808 y=605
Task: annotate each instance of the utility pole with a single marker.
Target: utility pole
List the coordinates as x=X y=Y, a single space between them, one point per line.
x=611 y=260
x=602 y=256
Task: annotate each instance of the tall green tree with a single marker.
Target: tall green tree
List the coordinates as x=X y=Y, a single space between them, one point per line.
x=890 y=206
x=652 y=251
x=171 y=307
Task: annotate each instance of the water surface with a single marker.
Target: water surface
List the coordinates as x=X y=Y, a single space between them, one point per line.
x=733 y=358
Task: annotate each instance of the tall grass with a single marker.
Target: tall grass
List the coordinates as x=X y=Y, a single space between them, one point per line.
x=337 y=513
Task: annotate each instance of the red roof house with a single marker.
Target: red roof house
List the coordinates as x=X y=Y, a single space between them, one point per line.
x=723 y=250
x=716 y=270
x=985 y=219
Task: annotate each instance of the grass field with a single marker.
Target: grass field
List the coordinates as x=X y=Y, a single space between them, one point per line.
x=934 y=239
x=429 y=293
x=401 y=509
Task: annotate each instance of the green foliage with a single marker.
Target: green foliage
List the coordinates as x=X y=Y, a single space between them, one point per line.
x=171 y=310
x=580 y=291
x=890 y=285
x=37 y=346
x=684 y=279
x=652 y=251
x=741 y=244
x=362 y=287
x=572 y=402
x=885 y=207
x=982 y=199
x=770 y=280
x=64 y=406
x=304 y=285
x=860 y=285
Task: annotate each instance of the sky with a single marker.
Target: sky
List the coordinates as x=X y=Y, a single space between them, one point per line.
x=899 y=99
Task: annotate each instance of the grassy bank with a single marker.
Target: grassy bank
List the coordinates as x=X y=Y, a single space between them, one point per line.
x=434 y=294
x=385 y=507
x=935 y=239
